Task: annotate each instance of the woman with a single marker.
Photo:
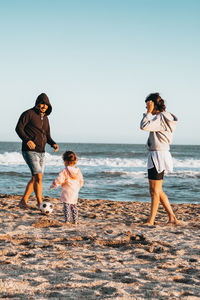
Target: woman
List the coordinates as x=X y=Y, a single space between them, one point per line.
x=161 y=128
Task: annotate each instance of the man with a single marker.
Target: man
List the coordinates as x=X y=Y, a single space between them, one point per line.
x=33 y=128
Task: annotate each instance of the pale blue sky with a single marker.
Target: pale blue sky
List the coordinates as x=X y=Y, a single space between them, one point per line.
x=97 y=60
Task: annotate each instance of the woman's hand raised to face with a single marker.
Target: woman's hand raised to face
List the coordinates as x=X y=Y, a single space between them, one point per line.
x=150 y=106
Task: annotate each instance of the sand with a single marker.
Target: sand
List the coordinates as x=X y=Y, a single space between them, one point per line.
x=108 y=255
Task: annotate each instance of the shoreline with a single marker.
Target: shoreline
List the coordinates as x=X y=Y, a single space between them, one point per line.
x=108 y=255
x=57 y=199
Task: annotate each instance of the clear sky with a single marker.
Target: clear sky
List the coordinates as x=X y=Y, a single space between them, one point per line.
x=97 y=60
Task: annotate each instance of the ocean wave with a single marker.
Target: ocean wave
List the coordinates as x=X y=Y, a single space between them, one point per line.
x=14 y=174
x=184 y=174
x=186 y=163
x=11 y=158
x=113 y=162
x=125 y=174
x=16 y=158
x=140 y=174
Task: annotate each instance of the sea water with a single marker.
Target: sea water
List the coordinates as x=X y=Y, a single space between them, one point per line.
x=111 y=171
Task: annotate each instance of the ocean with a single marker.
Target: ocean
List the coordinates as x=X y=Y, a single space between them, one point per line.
x=111 y=171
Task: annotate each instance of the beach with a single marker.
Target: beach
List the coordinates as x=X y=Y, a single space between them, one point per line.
x=110 y=254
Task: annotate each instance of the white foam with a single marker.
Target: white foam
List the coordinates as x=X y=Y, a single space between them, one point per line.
x=184 y=174
x=124 y=174
x=11 y=158
x=53 y=160
x=15 y=158
x=187 y=163
x=113 y=162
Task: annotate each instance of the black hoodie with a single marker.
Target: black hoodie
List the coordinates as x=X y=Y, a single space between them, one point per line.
x=32 y=126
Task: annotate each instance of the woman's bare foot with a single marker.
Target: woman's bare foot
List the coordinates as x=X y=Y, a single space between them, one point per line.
x=23 y=204
x=173 y=220
x=148 y=224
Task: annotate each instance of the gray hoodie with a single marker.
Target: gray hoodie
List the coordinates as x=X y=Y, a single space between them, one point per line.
x=161 y=128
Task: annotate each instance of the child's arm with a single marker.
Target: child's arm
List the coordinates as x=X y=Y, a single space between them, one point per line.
x=81 y=181
x=59 y=180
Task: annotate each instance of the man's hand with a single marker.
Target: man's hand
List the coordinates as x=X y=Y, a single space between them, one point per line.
x=31 y=145
x=56 y=148
x=150 y=106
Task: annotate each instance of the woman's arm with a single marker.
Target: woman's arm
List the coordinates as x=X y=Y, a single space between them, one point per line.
x=151 y=125
x=154 y=124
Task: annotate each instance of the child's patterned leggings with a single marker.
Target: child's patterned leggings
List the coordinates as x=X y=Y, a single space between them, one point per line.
x=68 y=209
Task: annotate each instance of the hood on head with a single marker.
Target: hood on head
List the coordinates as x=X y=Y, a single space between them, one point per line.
x=73 y=172
x=43 y=98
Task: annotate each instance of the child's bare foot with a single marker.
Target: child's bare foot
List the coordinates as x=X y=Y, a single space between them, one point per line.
x=23 y=204
x=75 y=223
x=67 y=223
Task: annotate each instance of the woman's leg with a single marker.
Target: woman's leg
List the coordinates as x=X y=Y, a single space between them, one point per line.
x=155 y=188
x=157 y=195
x=165 y=202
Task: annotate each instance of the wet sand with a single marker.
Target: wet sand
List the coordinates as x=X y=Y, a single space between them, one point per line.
x=108 y=255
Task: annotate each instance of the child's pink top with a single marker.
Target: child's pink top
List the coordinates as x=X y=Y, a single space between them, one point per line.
x=71 y=180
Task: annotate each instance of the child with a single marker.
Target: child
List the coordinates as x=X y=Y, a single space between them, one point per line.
x=71 y=180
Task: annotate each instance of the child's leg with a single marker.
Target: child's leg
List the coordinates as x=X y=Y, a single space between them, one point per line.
x=74 y=213
x=66 y=211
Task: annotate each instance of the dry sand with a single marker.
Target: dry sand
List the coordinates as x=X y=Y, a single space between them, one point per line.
x=109 y=255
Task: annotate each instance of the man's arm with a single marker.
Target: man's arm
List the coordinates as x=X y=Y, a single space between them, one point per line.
x=50 y=141
x=23 y=121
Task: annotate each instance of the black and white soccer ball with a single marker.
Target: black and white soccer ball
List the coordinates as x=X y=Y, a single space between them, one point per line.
x=46 y=207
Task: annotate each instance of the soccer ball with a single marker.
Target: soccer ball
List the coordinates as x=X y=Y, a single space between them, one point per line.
x=46 y=207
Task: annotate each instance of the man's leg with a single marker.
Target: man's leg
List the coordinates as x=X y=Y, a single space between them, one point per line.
x=37 y=185
x=35 y=162
x=28 y=191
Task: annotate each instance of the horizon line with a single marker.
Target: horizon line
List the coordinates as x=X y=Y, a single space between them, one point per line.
x=109 y=143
